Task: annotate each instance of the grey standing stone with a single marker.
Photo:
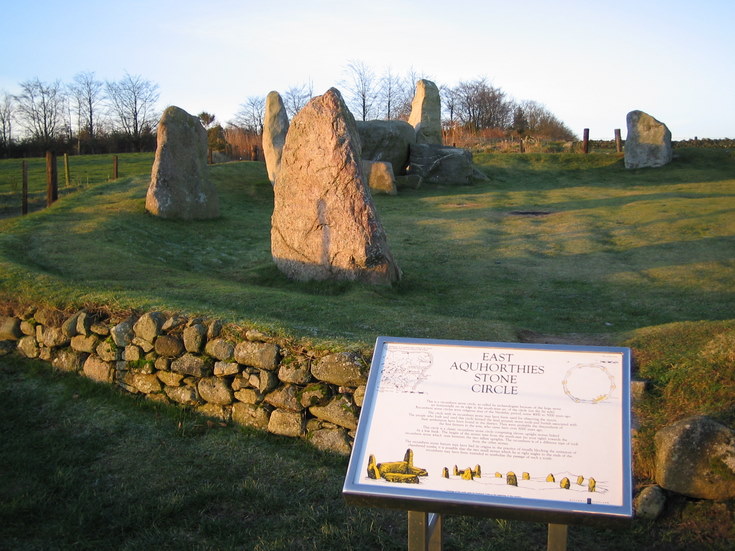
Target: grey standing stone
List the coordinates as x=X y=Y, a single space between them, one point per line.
x=180 y=186
x=426 y=111
x=696 y=457
x=275 y=128
x=324 y=223
x=648 y=143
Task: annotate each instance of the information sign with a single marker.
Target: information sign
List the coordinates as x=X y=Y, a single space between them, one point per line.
x=536 y=432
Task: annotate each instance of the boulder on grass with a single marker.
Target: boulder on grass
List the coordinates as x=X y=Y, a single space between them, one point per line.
x=648 y=143
x=695 y=457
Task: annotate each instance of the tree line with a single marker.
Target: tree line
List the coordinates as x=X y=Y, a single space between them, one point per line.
x=93 y=116
x=85 y=116
x=472 y=106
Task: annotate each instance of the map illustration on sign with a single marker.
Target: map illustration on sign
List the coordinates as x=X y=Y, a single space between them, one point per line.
x=493 y=422
x=405 y=368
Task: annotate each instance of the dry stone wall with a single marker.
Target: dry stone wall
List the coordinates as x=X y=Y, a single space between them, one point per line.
x=222 y=371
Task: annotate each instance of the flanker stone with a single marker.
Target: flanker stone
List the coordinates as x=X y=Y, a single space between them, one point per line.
x=648 y=143
x=379 y=176
x=180 y=186
x=324 y=224
x=275 y=128
x=426 y=111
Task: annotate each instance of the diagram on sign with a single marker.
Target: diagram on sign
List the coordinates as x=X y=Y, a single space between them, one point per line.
x=405 y=472
x=405 y=368
x=588 y=383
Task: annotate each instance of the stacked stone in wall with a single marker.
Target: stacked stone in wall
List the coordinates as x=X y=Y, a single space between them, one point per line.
x=221 y=371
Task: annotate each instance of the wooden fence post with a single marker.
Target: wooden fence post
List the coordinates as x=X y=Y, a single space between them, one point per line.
x=52 y=183
x=618 y=141
x=254 y=153
x=24 y=189
x=586 y=141
x=115 y=165
x=67 y=179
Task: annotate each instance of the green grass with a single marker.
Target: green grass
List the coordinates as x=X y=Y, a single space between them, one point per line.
x=84 y=170
x=643 y=258
x=88 y=467
x=617 y=250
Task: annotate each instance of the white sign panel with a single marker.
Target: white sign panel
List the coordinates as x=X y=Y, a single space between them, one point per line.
x=510 y=426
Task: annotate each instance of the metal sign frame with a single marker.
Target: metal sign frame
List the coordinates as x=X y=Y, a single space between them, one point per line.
x=590 y=364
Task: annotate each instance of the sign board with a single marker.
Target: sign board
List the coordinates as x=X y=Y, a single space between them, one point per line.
x=534 y=432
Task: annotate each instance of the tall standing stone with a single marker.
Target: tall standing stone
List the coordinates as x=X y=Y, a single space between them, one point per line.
x=648 y=143
x=426 y=110
x=180 y=186
x=275 y=128
x=324 y=223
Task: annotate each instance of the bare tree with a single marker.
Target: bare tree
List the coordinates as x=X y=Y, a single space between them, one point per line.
x=132 y=100
x=40 y=109
x=7 y=114
x=541 y=122
x=389 y=94
x=251 y=114
x=87 y=94
x=296 y=97
x=360 y=85
x=480 y=105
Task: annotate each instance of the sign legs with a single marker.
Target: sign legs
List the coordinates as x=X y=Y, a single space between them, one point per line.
x=424 y=531
x=557 y=539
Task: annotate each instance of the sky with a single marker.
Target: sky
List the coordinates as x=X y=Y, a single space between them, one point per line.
x=589 y=62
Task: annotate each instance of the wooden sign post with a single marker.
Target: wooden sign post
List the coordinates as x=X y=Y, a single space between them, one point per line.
x=518 y=431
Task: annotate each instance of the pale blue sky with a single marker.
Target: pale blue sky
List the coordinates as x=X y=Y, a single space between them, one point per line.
x=588 y=61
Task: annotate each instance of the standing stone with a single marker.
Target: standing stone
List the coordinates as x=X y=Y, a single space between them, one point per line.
x=426 y=110
x=275 y=127
x=324 y=223
x=180 y=186
x=648 y=143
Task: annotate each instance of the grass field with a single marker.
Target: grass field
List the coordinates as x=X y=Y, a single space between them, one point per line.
x=551 y=244
x=92 y=469
x=560 y=247
x=84 y=171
